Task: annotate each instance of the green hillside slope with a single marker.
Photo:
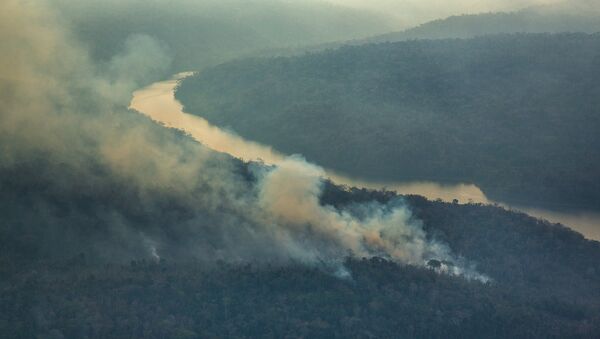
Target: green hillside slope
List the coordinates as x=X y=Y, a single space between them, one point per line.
x=517 y=115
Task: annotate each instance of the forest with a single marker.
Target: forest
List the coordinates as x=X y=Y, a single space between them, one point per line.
x=114 y=225
x=515 y=114
x=60 y=281
x=546 y=283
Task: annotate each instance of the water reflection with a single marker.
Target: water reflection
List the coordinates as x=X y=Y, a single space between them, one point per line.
x=157 y=101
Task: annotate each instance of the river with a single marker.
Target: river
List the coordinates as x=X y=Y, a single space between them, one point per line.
x=158 y=102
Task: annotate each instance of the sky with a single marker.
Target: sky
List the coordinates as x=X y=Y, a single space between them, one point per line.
x=414 y=12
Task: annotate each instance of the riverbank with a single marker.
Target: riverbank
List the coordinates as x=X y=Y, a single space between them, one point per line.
x=158 y=102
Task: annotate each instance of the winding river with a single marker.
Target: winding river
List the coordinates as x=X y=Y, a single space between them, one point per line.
x=158 y=102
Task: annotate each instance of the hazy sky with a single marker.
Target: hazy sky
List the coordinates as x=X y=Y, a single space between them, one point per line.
x=412 y=12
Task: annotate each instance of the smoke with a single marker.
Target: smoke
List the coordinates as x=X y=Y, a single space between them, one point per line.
x=142 y=60
x=82 y=173
x=203 y=33
x=289 y=194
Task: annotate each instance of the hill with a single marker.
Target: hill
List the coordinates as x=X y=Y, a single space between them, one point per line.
x=112 y=225
x=515 y=114
x=559 y=18
x=546 y=278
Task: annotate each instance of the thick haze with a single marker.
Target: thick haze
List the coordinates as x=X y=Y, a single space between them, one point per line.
x=82 y=174
x=117 y=224
x=414 y=12
x=119 y=186
x=204 y=33
x=208 y=32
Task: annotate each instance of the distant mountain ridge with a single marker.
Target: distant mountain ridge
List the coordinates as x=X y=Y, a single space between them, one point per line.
x=540 y=19
x=569 y=17
x=203 y=33
x=515 y=114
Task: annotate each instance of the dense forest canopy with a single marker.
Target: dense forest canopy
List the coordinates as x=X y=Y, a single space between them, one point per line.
x=546 y=279
x=515 y=114
x=115 y=226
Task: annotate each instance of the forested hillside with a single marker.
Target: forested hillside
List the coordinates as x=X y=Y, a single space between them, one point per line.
x=383 y=300
x=114 y=225
x=85 y=252
x=515 y=114
x=546 y=278
x=532 y=20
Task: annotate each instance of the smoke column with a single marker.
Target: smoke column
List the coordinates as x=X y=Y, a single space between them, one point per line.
x=105 y=180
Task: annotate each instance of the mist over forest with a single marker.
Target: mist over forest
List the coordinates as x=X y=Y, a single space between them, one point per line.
x=515 y=114
x=205 y=33
x=116 y=224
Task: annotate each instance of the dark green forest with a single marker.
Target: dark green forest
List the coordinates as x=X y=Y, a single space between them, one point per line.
x=113 y=225
x=515 y=114
x=65 y=274
x=383 y=300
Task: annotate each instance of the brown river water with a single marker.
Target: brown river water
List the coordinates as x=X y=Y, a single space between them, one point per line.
x=158 y=102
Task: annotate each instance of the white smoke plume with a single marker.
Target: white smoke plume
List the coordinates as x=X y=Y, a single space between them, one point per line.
x=153 y=193
x=289 y=195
